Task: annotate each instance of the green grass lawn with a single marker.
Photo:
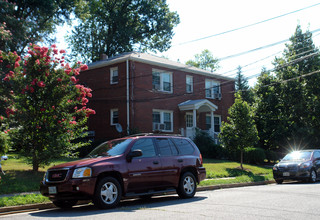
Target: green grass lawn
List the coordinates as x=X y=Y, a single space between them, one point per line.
x=20 y=177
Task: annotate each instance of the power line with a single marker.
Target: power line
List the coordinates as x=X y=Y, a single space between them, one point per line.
x=246 y=26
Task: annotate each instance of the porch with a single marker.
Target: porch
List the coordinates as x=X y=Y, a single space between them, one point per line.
x=192 y=109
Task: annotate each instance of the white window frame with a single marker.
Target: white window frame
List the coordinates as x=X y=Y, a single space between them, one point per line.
x=215 y=116
x=189 y=83
x=211 y=85
x=161 y=86
x=112 y=111
x=162 y=112
x=112 y=75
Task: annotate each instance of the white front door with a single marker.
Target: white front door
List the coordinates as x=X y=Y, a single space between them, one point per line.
x=190 y=131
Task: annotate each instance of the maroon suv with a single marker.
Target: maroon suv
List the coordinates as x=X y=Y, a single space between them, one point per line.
x=138 y=166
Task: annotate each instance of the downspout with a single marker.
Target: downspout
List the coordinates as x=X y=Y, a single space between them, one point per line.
x=128 y=99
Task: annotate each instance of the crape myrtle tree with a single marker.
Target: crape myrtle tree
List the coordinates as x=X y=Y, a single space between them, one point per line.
x=42 y=105
x=240 y=131
x=116 y=26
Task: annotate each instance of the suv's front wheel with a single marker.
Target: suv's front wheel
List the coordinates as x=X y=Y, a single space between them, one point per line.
x=187 y=186
x=107 y=193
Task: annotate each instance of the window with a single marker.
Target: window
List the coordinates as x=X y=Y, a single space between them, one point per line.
x=316 y=155
x=146 y=146
x=212 y=89
x=217 y=123
x=189 y=120
x=114 y=116
x=184 y=146
x=114 y=76
x=162 y=81
x=189 y=84
x=162 y=120
x=165 y=147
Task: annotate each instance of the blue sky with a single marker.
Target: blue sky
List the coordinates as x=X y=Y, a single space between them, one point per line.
x=204 y=18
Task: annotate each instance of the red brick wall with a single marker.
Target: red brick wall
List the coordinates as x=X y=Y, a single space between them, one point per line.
x=143 y=99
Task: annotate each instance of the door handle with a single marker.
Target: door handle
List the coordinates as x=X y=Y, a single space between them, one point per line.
x=180 y=160
x=155 y=162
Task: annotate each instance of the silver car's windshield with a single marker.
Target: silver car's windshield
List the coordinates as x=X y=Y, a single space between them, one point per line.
x=110 y=148
x=298 y=155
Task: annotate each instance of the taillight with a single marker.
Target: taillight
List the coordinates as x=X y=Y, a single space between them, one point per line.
x=201 y=161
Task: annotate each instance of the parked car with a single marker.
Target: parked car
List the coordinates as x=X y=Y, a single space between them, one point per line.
x=138 y=166
x=298 y=165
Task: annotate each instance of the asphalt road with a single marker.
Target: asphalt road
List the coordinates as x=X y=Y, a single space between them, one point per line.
x=286 y=201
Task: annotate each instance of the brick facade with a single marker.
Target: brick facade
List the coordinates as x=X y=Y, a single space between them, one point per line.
x=137 y=69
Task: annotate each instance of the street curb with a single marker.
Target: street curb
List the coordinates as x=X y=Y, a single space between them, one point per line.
x=49 y=205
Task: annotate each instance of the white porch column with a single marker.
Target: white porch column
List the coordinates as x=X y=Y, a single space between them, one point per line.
x=212 y=122
x=194 y=118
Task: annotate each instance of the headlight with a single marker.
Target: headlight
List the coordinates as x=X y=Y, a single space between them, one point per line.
x=305 y=165
x=275 y=167
x=82 y=172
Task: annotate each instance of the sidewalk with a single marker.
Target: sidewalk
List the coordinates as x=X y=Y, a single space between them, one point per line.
x=42 y=206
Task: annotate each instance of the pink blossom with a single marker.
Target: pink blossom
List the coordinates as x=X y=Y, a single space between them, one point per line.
x=38 y=61
x=73 y=79
x=59 y=79
x=62 y=51
x=34 y=81
x=41 y=84
x=1 y=117
x=31 y=89
x=42 y=109
x=73 y=122
x=84 y=67
x=55 y=51
x=16 y=64
x=53 y=46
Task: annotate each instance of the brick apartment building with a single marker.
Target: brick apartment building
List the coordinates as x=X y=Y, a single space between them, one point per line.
x=143 y=93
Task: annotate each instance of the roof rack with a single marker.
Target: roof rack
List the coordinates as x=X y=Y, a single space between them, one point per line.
x=152 y=134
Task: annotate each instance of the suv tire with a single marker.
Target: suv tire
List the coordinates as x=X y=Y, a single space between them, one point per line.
x=65 y=204
x=187 y=186
x=107 y=193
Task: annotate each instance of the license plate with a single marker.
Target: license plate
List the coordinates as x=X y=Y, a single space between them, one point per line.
x=286 y=174
x=52 y=190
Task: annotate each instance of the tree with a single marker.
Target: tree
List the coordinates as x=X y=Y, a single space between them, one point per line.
x=204 y=60
x=32 y=21
x=242 y=87
x=299 y=89
x=45 y=110
x=268 y=111
x=116 y=26
x=240 y=132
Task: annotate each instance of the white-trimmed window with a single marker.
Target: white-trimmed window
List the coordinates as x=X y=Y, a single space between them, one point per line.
x=114 y=116
x=162 y=81
x=162 y=120
x=189 y=84
x=213 y=89
x=114 y=75
x=217 y=123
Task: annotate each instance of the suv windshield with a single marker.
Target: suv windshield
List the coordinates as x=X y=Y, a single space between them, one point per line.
x=110 y=148
x=298 y=155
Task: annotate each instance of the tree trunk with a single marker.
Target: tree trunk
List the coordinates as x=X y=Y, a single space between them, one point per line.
x=35 y=162
x=241 y=160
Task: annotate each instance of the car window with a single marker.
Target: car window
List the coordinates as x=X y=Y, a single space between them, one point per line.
x=298 y=155
x=110 y=148
x=165 y=147
x=316 y=155
x=183 y=146
x=146 y=146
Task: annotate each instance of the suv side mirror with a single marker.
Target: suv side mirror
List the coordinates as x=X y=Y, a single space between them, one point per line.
x=132 y=154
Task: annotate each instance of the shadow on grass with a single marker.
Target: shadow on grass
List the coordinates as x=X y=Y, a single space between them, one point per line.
x=20 y=181
x=236 y=172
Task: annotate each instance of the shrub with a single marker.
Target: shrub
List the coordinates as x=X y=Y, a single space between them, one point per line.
x=207 y=146
x=254 y=155
x=272 y=156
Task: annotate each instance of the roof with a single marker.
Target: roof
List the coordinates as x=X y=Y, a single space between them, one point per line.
x=202 y=105
x=154 y=60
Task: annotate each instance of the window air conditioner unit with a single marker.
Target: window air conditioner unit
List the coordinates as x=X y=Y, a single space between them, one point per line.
x=158 y=126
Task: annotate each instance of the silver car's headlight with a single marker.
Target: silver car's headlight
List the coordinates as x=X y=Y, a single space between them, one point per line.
x=82 y=172
x=305 y=165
